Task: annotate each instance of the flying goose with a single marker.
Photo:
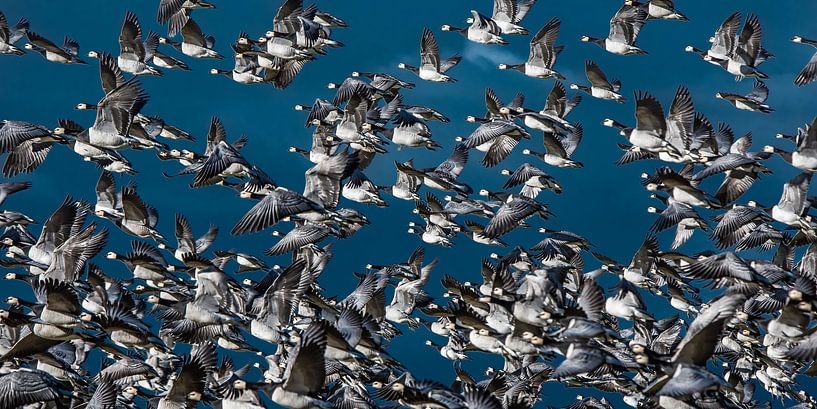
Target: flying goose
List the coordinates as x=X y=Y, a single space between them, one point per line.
x=600 y=87
x=444 y=176
x=543 y=53
x=496 y=138
x=27 y=144
x=482 y=30
x=300 y=236
x=809 y=72
x=138 y=218
x=186 y=243
x=362 y=190
x=10 y=35
x=515 y=209
x=746 y=52
x=723 y=42
x=558 y=150
x=659 y=9
x=680 y=186
x=755 y=101
x=176 y=13
x=532 y=179
x=67 y=54
x=194 y=43
x=431 y=67
x=24 y=387
x=742 y=169
x=275 y=205
x=305 y=370
x=791 y=208
x=115 y=112
x=624 y=29
x=133 y=54
x=507 y=14
x=188 y=387
x=804 y=157
x=678 y=214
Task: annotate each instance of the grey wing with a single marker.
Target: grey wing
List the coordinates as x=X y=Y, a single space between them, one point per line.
x=429 y=50
x=455 y=162
x=573 y=139
x=192 y=34
x=808 y=73
x=760 y=92
x=596 y=76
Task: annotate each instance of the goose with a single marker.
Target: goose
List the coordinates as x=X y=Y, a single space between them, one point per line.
x=138 y=218
x=433 y=212
x=406 y=186
x=108 y=200
x=793 y=202
x=189 y=385
x=742 y=169
x=476 y=232
x=362 y=190
x=431 y=67
x=176 y=13
x=808 y=73
x=496 y=138
x=507 y=14
x=408 y=295
x=158 y=58
x=10 y=35
x=532 y=179
x=804 y=157
x=322 y=110
x=281 y=45
x=300 y=236
x=453 y=350
x=194 y=43
x=723 y=42
x=677 y=214
x=755 y=101
x=624 y=29
x=482 y=30
x=147 y=263
x=651 y=128
x=432 y=234
x=410 y=131
x=28 y=145
x=115 y=112
x=25 y=387
x=275 y=205
x=186 y=243
x=559 y=151
x=680 y=187
x=659 y=9
x=542 y=53
x=443 y=177
x=67 y=54
x=600 y=87
x=245 y=71
x=385 y=83
x=746 y=52
x=133 y=54
x=425 y=113
x=515 y=209
x=581 y=359
x=306 y=368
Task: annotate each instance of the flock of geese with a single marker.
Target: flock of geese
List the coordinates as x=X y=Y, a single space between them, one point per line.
x=742 y=336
